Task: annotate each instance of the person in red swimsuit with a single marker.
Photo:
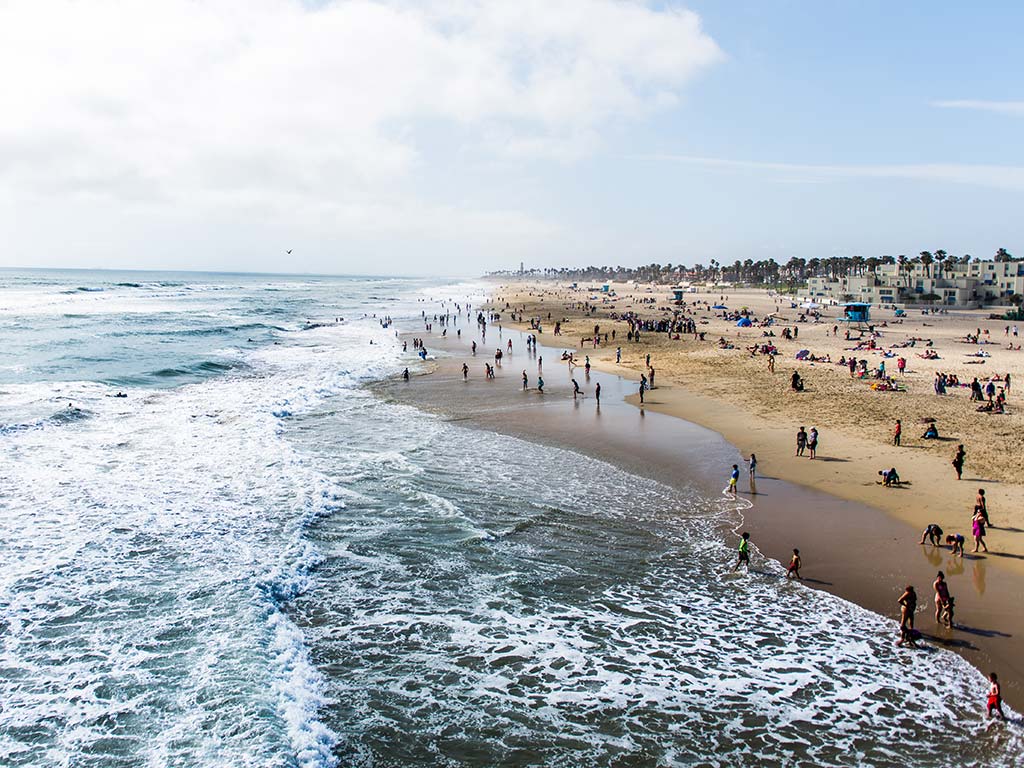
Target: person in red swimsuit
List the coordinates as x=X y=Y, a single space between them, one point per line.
x=995 y=697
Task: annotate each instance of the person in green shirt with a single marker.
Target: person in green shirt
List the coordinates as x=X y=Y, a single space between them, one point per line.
x=744 y=552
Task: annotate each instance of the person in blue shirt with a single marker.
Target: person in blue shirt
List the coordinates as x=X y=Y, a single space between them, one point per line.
x=734 y=478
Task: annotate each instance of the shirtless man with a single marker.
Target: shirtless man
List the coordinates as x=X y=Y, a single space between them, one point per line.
x=908 y=604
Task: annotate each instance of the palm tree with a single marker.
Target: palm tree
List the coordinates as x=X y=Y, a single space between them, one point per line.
x=901 y=267
x=940 y=258
x=1003 y=255
x=926 y=262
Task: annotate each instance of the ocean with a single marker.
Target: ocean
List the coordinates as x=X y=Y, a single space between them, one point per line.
x=252 y=560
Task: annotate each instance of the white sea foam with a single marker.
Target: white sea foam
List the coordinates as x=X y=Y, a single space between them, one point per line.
x=274 y=568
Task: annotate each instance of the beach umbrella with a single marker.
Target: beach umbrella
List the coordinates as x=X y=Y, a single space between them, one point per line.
x=743 y=322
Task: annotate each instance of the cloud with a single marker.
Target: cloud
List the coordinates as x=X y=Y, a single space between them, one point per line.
x=281 y=103
x=999 y=176
x=1001 y=107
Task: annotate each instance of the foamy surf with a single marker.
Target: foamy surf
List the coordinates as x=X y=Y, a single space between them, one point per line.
x=262 y=564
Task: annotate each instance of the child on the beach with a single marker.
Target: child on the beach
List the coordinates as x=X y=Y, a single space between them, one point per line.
x=794 y=566
x=743 y=558
x=734 y=478
x=995 y=697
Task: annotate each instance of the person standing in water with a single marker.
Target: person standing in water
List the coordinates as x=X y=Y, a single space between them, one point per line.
x=995 y=697
x=465 y=372
x=941 y=595
x=540 y=384
x=734 y=478
x=597 y=392
x=752 y=472
x=526 y=381
x=908 y=604
x=793 y=571
x=643 y=387
x=743 y=555
x=575 y=389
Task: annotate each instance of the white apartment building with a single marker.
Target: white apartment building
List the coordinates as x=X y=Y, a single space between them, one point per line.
x=962 y=285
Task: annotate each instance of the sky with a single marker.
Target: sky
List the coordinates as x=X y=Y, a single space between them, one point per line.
x=453 y=137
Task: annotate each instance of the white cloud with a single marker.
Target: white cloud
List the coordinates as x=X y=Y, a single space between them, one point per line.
x=999 y=176
x=1001 y=107
x=276 y=103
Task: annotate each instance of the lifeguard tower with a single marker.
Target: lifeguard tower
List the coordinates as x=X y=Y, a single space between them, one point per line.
x=677 y=294
x=605 y=288
x=857 y=313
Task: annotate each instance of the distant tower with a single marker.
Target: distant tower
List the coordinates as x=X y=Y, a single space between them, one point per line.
x=521 y=270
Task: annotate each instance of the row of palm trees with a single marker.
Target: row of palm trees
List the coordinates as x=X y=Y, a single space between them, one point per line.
x=763 y=272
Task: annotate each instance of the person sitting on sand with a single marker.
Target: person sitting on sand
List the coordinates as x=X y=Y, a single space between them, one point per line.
x=933 y=533
x=932 y=433
x=796 y=383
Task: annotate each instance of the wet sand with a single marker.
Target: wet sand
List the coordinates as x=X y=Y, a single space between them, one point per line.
x=852 y=550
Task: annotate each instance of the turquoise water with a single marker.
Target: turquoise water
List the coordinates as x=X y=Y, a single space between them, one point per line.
x=251 y=561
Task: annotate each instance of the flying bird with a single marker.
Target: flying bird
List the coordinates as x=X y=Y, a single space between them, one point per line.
x=288 y=251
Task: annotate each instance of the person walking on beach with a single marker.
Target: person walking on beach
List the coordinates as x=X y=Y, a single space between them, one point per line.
x=995 y=693
x=597 y=392
x=643 y=387
x=980 y=503
x=771 y=363
x=908 y=604
x=618 y=355
x=793 y=571
x=575 y=389
x=812 y=442
x=941 y=595
x=978 y=529
x=734 y=478
x=801 y=441
x=752 y=472
x=743 y=556
x=540 y=384
x=526 y=381
x=958 y=461
x=897 y=432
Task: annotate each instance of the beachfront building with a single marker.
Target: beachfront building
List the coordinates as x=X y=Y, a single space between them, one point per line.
x=962 y=285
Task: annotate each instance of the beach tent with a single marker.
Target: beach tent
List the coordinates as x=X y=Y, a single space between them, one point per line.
x=743 y=322
x=810 y=305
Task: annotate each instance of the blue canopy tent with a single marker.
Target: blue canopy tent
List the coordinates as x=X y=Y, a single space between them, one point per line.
x=743 y=322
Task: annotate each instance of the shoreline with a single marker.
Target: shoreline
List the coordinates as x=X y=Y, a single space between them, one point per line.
x=869 y=566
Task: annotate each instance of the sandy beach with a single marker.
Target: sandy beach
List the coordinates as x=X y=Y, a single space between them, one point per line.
x=858 y=539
